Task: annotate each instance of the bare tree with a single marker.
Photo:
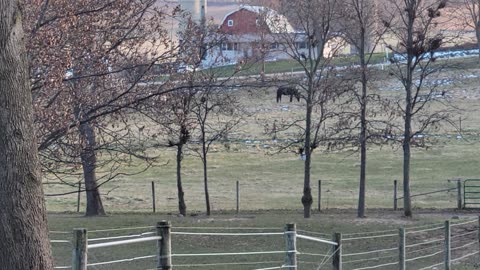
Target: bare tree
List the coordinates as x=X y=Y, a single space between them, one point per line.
x=363 y=32
x=415 y=27
x=217 y=113
x=173 y=114
x=24 y=242
x=308 y=45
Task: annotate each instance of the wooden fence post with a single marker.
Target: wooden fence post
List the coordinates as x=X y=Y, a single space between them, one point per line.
x=238 y=196
x=459 y=194
x=291 y=243
x=395 y=205
x=337 y=252
x=319 y=195
x=79 y=259
x=401 y=249
x=153 y=197
x=164 y=260
x=447 y=252
x=78 y=195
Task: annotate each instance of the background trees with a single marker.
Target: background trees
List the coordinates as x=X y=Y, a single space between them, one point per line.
x=24 y=240
x=472 y=17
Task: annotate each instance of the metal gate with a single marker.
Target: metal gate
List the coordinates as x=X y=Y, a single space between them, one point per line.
x=471 y=193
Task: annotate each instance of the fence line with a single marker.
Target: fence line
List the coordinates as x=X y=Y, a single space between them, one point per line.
x=164 y=254
x=230 y=199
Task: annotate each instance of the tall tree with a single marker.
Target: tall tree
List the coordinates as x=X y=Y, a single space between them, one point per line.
x=361 y=29
x=24 y=240
x=418 y=38
x=308 y=45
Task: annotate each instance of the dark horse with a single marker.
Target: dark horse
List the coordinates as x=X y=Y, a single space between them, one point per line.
x=287 y=91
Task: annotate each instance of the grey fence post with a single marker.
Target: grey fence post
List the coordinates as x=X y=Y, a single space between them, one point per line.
x=459 y=194
x=238 y=196
x=401 y=249
x=78 y=195
x=395 y=205
x=291 y=244
x=164 y=260
x=153 y=197
x=319 y=195
x=79 y=256
x=448 y=252
x=337 y=252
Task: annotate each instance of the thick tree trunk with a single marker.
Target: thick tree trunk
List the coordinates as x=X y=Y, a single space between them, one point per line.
x=182 y=208
x=24 y=240
x=205 y=175
x=89 y=164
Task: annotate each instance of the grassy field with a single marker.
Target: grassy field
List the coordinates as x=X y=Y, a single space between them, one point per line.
x=271 y=188
x=320 y=225
x=269 y=180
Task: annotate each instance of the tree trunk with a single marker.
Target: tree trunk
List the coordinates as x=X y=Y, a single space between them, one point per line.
x=363 y=149
x=363 y=130
x=182 y=208
x=205 y=176
x=407 y=206
x=24 y=240
x=307 y=199
x=89 y=164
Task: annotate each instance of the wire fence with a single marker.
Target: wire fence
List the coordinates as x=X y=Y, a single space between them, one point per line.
x=433 y=246
x=247 y=195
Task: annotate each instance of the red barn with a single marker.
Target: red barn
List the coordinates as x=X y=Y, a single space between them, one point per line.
x=249 y=33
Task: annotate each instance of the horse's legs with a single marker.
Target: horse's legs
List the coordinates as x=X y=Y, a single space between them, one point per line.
x=291 y=97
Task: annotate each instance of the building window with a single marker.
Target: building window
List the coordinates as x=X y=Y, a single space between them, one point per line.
x=230 y=23
x=230 y=46
x=301 y=45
